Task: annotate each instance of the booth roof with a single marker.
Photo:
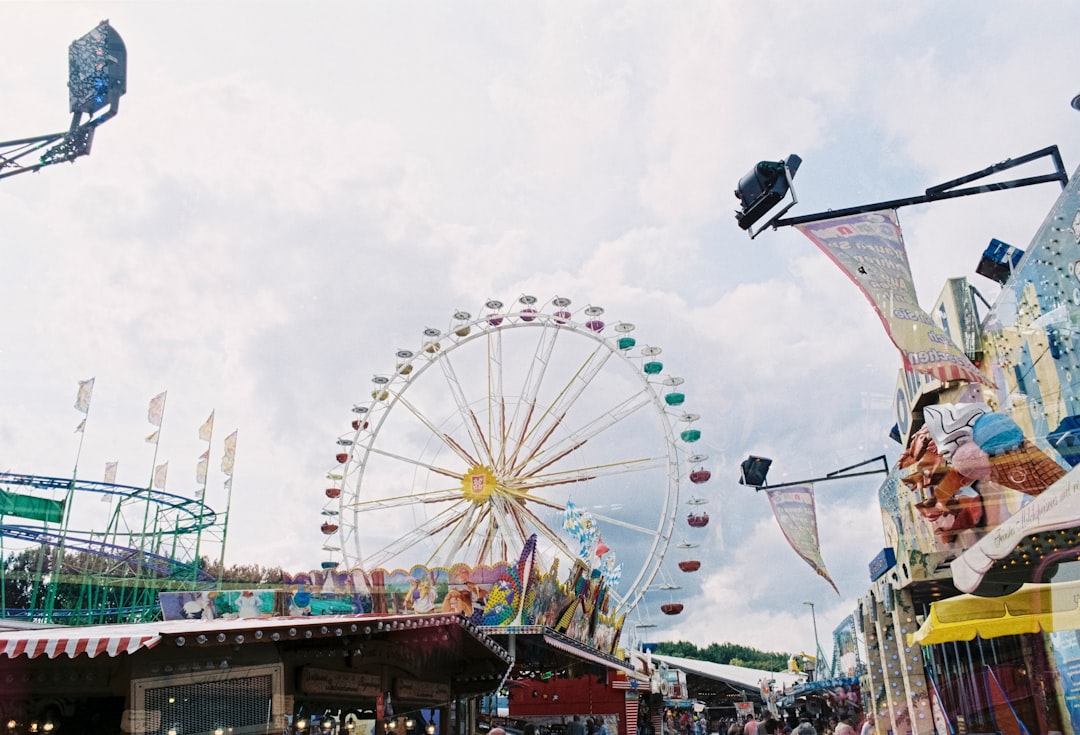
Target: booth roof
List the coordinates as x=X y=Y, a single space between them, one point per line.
x=113 y=640
x=737 y=675
x=1033 y=608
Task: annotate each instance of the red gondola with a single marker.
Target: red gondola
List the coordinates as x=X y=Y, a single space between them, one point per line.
x=341 y=457
x=698 y=521
x=690 y=565
x=699 y=476
x=329 y=528
x=671 y=608
x=333 y=492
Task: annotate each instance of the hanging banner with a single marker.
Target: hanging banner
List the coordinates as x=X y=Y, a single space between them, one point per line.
x=797 y=518
x=28 y=506
x=869 y=248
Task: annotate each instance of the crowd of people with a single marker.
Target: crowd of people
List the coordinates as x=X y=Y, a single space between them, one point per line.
x=796 y=724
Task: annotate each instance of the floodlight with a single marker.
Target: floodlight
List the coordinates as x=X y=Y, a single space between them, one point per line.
x=763 y=188
x=998 y=261
x=754 y=471
x=97 y=77
x=97 y=73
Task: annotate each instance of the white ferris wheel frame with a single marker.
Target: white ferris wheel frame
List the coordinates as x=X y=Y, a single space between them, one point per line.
x=390 y=393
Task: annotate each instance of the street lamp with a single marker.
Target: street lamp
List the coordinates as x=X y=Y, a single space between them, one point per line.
x=97 y=77
x=817 y=645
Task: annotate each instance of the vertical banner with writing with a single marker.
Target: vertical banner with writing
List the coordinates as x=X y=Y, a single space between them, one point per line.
x=869 y=247
x=797 y=517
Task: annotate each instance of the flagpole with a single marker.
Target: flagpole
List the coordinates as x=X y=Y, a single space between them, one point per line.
x=228 y=465
x=82 y=403
x=209 y=426
x=156 y=416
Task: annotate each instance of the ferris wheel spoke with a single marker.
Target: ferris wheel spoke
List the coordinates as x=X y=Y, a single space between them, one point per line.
x=606 y=519
x=429 y=496
x=432 y=526
x=469 y=420
x=578 y=474
x=577 y=439
x=508 y=526
x=466 y=528
x=496 y=398
x=530 y=390
x=549 y=534
x=415 y=462
x=508 y=511
x=550 y=420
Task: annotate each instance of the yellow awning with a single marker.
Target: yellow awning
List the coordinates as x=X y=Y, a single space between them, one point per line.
x=1033 y=608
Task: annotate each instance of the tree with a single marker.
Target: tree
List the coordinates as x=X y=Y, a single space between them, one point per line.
x=726 y=653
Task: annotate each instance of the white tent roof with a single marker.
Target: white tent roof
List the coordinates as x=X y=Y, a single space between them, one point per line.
x=739 y=675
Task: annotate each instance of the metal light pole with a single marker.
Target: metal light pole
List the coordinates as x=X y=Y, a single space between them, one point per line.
x=817 y=645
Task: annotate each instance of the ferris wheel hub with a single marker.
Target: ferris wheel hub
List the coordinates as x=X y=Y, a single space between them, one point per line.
x=478 y=483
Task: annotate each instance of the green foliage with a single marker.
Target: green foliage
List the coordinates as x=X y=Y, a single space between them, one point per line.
x=727 y=653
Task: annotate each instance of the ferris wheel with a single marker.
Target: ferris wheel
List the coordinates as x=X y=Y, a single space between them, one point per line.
x=523 y=421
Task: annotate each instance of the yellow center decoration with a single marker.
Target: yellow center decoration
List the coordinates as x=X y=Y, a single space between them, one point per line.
x=478 y=483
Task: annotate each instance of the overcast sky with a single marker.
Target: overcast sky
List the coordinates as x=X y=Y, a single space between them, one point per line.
x=292 y=191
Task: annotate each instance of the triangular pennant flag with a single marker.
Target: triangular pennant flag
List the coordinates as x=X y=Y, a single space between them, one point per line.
x=601 y=547
x=207 y=429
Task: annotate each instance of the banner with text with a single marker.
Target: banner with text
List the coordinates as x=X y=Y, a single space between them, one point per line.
x=869 y=247
x=797 y=517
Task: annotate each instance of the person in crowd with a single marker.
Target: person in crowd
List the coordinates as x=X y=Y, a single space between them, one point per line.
x=804 y=727
x=734 y=728
x=843 y=726
x=601 y=728
x=750 y=728
x=576 y=727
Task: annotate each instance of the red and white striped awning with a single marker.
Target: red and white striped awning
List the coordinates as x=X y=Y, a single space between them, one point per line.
x=126 y=638
x=72 y=642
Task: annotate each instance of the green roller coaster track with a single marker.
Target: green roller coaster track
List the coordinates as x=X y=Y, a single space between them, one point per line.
x=151 y=542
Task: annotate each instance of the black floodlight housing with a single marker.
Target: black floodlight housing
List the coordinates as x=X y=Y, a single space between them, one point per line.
x=97 y=73
x=763 y=188
x=97 y=77
x=754 y=471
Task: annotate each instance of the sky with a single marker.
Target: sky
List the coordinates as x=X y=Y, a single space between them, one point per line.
x=291 y=192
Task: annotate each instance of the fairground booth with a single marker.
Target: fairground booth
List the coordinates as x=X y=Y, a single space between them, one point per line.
x=970 y=623
x=346 y=657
